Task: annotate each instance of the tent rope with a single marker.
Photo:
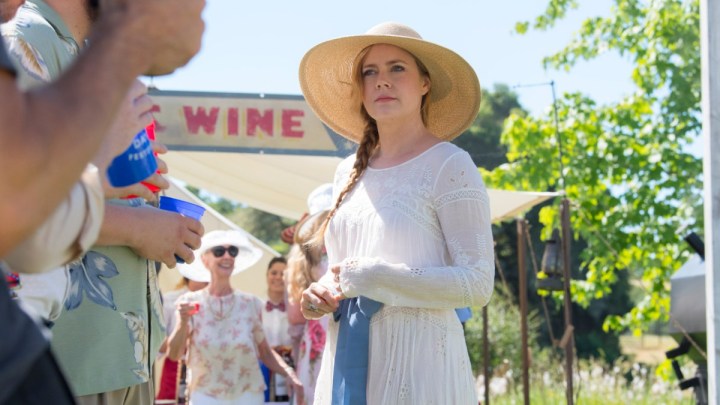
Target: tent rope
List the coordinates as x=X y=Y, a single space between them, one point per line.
x=498 y=266
x=542 y=298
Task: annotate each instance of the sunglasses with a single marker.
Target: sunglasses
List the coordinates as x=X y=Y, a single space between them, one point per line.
x=219 y=251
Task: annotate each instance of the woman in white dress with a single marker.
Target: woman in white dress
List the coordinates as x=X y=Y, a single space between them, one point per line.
x=409 y=237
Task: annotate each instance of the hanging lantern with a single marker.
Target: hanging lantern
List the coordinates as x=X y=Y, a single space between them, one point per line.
x=551 y=265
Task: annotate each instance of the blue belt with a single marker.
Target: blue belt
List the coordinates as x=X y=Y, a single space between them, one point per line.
x=351 y=352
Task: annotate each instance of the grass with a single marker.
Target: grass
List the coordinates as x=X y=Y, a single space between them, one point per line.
x=625 y=382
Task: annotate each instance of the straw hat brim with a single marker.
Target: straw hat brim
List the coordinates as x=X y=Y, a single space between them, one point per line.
x=326 y=82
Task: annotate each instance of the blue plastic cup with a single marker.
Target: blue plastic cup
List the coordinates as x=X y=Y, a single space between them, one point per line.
x=183 y=208
x=134 y=165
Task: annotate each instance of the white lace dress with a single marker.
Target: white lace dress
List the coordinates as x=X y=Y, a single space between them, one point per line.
x=417 y=238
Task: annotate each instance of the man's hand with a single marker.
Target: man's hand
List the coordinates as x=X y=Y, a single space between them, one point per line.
x=134 y=115
x=167 y=33
x=152 y=233
x=164 y=234
x=140 y=190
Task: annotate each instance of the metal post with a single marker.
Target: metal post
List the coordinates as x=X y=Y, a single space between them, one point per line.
x=568 y=337
x=710 y=63
x=557 y=135
x=486 y=355
x=522 y=295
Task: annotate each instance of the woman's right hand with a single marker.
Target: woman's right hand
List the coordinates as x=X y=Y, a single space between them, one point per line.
x=318 y=300
x=186 y=310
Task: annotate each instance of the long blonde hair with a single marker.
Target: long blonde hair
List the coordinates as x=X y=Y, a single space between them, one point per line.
x=370 y=139
x=304 y=256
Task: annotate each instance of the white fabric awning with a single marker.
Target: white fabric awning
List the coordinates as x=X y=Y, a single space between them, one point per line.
x=279 y=184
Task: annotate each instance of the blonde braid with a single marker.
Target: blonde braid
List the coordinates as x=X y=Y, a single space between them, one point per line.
x=365 y=150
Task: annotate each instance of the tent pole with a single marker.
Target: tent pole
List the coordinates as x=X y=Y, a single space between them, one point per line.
x=710 y=60
x=568 y=340
x=486 y=355
x=522 y=294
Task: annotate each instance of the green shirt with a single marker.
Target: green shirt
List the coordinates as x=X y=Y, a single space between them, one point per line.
x=112 y=323
x=40 y=44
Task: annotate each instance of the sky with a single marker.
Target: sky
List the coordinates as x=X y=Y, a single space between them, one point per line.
x=256 y=47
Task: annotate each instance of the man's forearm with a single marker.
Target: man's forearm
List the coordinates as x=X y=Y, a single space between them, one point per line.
x=118 y=226
x=49 y=134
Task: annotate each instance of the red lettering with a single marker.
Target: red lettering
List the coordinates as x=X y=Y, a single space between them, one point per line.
x=200 y=119
x=255 y=119
x=290 y=122
x=158 y=127
x=232 y=121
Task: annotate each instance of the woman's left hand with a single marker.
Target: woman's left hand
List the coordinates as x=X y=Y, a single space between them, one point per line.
x=295 y=386
x=317 y=300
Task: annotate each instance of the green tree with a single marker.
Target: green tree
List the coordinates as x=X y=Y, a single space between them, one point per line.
x=222 y=205
x=632 y=183
x=263 y=225
x=482 y=139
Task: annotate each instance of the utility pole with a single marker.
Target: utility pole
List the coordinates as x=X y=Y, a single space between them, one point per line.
x=567 y=342
x=710 y=63
x=522 y=293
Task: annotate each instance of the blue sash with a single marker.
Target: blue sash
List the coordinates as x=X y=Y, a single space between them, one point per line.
x=351 y=353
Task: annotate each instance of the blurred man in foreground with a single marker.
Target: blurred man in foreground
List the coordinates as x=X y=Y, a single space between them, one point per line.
x=48 y=135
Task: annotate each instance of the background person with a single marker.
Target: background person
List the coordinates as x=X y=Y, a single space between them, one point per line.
x=173 y=369
x=225 y=338
x=275 y=325
x=409 y=236
x=307 y=264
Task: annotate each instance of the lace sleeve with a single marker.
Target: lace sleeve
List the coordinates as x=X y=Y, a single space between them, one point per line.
x=463 y=210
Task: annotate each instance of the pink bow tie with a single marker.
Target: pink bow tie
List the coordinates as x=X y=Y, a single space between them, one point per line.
x=269 y=306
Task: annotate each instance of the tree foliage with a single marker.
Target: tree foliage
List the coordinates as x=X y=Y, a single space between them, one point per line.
x=262 y=225
x=482 y=139
x=634 y=187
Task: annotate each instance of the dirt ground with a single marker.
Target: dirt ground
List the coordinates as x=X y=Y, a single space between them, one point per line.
x=648 y=349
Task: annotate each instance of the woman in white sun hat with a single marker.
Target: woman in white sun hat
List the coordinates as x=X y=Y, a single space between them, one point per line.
x=222 y=327
x=408 y=238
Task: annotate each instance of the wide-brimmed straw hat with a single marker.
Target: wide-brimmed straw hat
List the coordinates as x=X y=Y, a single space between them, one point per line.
x=326 y=79
x=248 y=254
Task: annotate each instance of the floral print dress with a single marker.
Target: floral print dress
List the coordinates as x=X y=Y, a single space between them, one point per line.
x=222 y=354
x=310 y=355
